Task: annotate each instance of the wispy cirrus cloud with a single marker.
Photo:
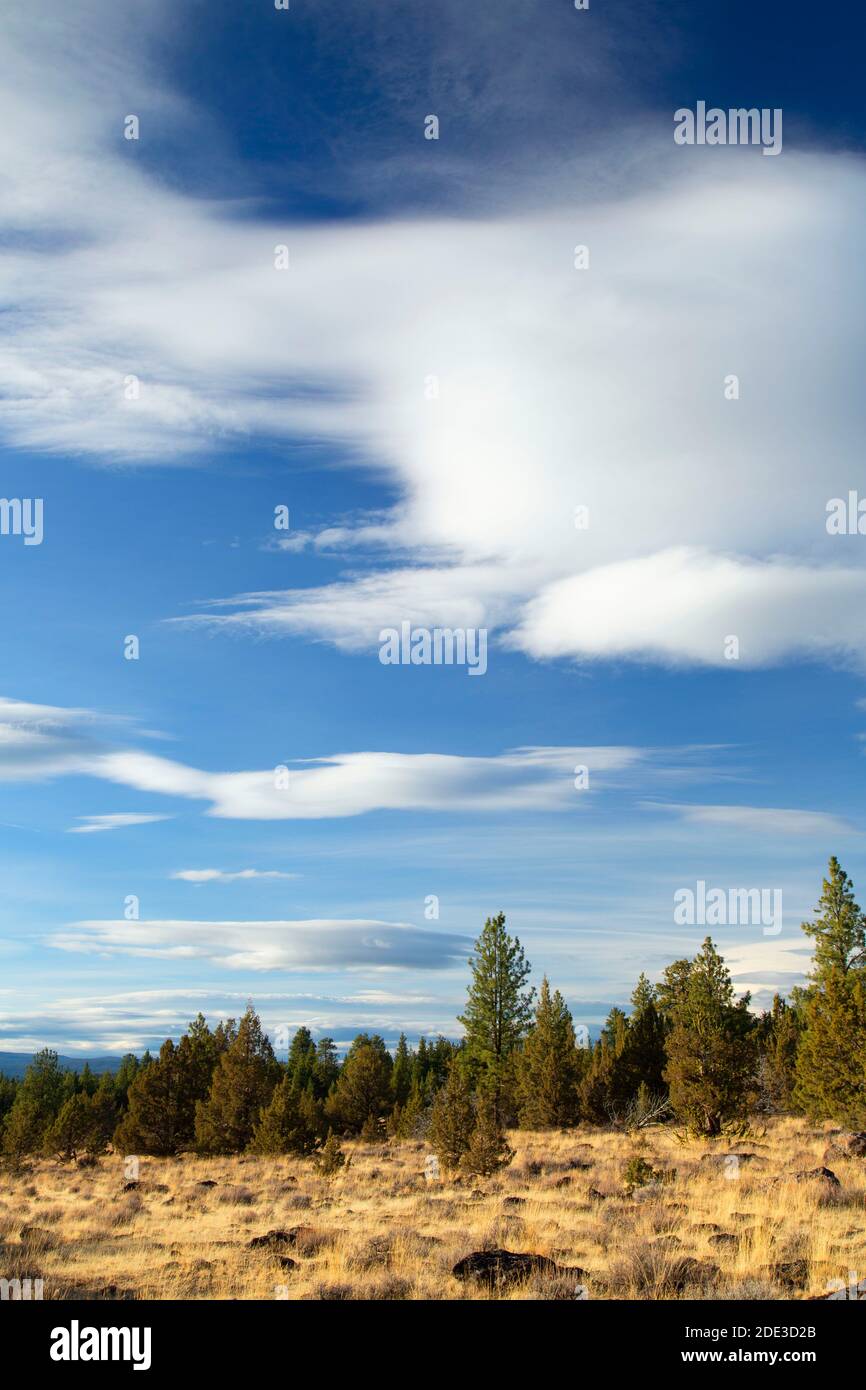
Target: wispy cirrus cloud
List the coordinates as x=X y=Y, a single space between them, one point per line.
x=762 y=820
x=116 y=820
x=316 y=944
x=554 y=387
x=199 y=876
x=344 y=784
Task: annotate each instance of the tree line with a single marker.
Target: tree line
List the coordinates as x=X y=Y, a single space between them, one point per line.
x=687 y=1051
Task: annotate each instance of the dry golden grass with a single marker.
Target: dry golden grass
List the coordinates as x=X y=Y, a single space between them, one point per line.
x=380 y=1231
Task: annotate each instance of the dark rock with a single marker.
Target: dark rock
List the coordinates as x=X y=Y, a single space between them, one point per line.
x=272 y=1240
x=206 y=1182
x=826 y=1176
x=514 y=1201
x=130 y=1186
x=724 y=1238
x=286 y=1262
x=497 y=1267
x=791 y=1274
x=848 y=1144
x=723 y=1160
x=595 y=1196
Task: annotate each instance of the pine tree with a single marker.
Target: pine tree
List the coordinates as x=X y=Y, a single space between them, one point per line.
x=24 y=1130
x=548 y=1066
x=401 y=1075
x=8 y=1091
x=243 y=1082
x=831 y=1061
x=301 y=1065
x=452 y=1120
x=72 y=1131
x=642 y=1058
x=839 y=929
x=409 y=1119
x=711 y=1054
x=597 y=1094
x=37 y=1103
x=499 y=1006
x=290 y=1124
x=363 y=1089
x=778 y=1033
x=488 y=1148
x=327 y=1067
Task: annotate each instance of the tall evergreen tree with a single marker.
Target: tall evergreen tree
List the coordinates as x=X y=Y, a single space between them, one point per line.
x=548 y=1066
x=642 y=1058
x=452 y=1120
x=839 y=929
x=301 y=1064
x=778 y=1033
x=243 y=1082
x=37 y=1103
x=327 y=1067
x=831 y=1061
x=363 y=1089
x=401 y=1074
x=158 y=1117
x=290 y=1124
x=711 y=1055
x=498 y=1008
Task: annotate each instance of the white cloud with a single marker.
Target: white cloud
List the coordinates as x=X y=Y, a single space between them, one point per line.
x=758 y=819
x=199 y=876
x=769 y=966
x=344 y=784
x=117 y=820
x=316 y=944
x=557 y=387
x=684 y=605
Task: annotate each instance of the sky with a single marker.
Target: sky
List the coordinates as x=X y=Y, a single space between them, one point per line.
x=283 y=372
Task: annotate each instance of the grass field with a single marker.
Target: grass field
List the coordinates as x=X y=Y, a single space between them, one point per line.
x=380 y=1230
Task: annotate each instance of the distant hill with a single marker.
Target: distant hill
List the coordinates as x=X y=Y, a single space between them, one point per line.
x=16 y=1063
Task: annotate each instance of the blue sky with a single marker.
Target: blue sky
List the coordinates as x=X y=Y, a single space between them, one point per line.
x=411 y=261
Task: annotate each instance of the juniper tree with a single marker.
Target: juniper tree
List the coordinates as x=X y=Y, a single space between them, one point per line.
x=499 y=1005
x=548 y=1065
x=37 y=1102
x=157 y=1119
x=831 y=1061
x=243 y=1082
x=778 y=1034
x=488 y=1149
x=711 y=1054
x=363 y=1088
x=290 y=1124
x=83 y=1125
x=452 y=1119
x=596 y=1092
x=642 y=1057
